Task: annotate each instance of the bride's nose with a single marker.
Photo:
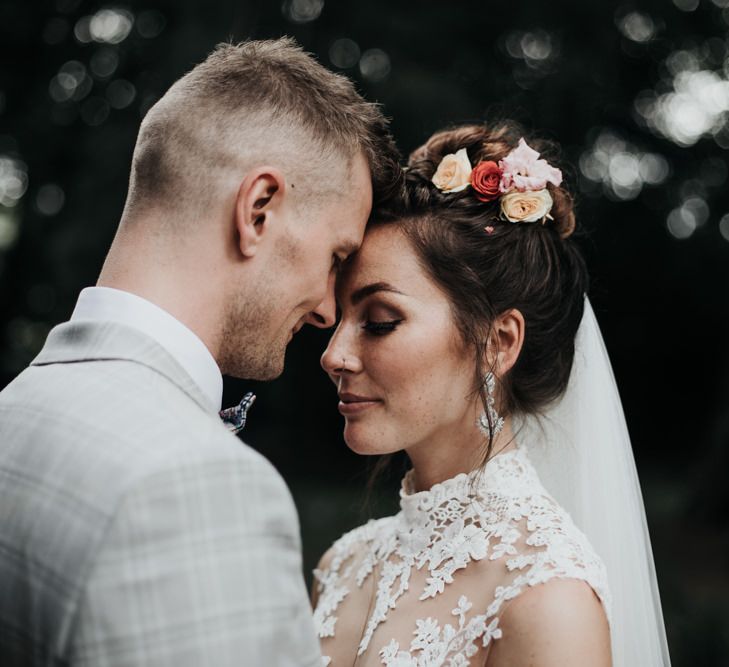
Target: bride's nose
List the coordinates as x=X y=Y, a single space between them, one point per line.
x=339 y=358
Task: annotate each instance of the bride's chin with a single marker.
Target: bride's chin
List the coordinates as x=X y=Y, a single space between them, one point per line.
x=365 y=444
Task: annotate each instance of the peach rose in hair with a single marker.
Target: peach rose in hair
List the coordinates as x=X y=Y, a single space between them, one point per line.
x=526 y=206
x=453 y=173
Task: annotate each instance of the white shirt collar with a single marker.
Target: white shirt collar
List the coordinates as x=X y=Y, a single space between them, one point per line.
x=112 y=305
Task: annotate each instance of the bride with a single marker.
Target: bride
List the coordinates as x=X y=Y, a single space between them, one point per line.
x=467 y=341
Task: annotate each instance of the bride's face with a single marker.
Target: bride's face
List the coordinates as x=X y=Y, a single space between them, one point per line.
x=403 y=374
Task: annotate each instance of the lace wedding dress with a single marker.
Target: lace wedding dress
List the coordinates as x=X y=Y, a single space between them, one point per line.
x=427 y=586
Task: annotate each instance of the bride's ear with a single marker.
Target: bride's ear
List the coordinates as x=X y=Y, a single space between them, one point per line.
x=507 y=339
x=258 y=205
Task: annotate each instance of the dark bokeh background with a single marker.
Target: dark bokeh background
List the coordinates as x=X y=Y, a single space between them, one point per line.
x=637 y=94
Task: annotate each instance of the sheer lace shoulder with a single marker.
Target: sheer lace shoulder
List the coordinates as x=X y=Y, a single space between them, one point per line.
x=427 y=586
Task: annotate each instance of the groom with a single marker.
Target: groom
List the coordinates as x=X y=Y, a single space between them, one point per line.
x=135 y=529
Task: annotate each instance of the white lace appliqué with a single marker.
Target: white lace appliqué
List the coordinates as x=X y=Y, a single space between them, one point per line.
x=502 y=513
x=433 y=645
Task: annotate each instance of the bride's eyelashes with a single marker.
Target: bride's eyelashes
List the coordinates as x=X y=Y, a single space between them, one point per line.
x=381 y=328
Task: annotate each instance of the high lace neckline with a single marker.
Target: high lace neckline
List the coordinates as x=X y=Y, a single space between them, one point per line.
x=497 y=521
x=494 y=476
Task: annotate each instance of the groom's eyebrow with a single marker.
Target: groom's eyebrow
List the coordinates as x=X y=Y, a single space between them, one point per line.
x=363 y=292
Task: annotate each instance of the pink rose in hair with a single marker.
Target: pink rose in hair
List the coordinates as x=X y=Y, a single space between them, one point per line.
x=524 y=171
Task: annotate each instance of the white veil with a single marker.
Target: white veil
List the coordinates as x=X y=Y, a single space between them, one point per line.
x=581 y=450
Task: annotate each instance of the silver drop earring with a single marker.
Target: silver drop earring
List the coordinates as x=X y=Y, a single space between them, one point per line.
x=490 y=416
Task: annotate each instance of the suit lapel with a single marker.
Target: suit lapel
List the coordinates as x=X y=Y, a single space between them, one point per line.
x=87 y=341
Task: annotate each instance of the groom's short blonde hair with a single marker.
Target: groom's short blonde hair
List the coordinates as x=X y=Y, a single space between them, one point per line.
x=249 y=103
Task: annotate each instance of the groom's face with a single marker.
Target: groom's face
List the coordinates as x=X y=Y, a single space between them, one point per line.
x=297 y=287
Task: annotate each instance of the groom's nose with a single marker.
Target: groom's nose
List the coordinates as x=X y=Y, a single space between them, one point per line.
x=324 y=316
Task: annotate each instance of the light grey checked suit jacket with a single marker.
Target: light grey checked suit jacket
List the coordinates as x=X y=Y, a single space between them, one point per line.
x=134 y=528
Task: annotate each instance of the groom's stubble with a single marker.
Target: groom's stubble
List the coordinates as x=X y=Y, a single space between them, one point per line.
x=255 y=332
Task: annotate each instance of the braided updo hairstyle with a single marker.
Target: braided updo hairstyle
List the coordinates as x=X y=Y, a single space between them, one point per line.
x=533 y=267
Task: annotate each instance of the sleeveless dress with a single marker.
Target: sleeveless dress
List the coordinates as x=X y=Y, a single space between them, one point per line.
x=426 y=587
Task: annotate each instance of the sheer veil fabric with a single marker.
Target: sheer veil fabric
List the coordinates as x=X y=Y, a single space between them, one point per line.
x=582 y=452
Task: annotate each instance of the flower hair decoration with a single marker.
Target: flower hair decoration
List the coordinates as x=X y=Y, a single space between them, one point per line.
x=519 y=181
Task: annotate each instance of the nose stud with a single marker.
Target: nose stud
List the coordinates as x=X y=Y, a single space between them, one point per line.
x=344 y=363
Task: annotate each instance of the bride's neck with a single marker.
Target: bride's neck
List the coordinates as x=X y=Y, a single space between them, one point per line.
x=435 y=462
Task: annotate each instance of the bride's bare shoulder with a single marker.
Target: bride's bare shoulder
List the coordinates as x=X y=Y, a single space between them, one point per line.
x=350 y=548
x=559 y=623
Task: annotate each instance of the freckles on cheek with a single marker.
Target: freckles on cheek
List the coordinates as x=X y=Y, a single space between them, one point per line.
x=411 y=388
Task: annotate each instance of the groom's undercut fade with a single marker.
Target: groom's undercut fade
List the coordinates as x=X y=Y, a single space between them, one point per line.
x=251 y=103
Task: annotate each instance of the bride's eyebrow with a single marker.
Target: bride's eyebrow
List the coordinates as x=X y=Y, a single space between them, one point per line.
x=363 y=292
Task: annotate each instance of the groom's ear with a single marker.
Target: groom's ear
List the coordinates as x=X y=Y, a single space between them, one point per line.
x=257 y=205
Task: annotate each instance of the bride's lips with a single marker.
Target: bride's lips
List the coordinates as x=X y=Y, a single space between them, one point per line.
x=352 y=404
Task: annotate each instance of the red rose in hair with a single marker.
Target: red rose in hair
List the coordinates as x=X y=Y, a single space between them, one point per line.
x=485 y=180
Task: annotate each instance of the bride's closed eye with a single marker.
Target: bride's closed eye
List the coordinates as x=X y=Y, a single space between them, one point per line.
x=381 y=328
x=381 y=319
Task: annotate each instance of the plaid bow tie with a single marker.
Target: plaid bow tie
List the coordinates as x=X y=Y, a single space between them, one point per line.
x=235 y=418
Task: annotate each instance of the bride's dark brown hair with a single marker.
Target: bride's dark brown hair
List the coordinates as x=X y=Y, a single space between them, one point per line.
x=535 y=268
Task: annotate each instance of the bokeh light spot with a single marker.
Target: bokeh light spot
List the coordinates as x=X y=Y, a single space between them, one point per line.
x=724 y=226
x=621 y=168
x=71 y=83
x=9 y=229
x=374 y=65
x=637 y=27
x=82 y=30
x=111 y=25
x=344 y=53
x=535 y=49
x=653 y=168
x=104 y=62
x=697 y=208
x=697 y=106
x=686 y=5
x=120 y=93
x=679 y=224
x=50 y=199
x=13 y=180
x=683 y=221
x=536 y=45
x=302 y=11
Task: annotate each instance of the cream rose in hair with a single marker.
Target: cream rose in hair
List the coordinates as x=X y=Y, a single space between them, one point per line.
x=526 y=206
x=453 y=173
